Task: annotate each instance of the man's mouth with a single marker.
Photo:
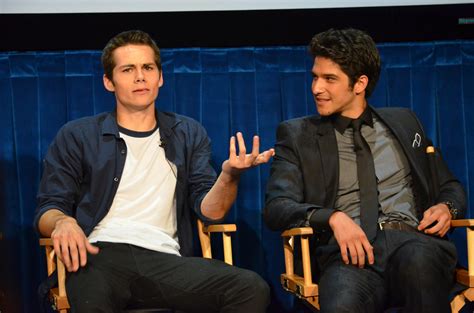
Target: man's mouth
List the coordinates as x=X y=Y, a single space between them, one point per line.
x=322 y=100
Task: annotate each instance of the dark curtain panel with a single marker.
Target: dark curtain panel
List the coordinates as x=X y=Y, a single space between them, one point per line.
x=228 y=90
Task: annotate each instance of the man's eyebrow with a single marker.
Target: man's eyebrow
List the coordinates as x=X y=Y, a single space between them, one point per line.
x=325 y=75
x=126 y=65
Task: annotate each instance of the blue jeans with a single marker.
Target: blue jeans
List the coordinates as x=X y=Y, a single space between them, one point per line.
x=412 y=270
x=122 y=275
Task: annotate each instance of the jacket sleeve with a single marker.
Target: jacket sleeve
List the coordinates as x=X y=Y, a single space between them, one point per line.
x=450 y=188
x=201 y=175
x=285 y=205
x=62 y=173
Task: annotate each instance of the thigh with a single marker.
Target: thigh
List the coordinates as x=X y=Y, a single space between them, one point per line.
x=103 y=284
x=421 y=273
x=195 y=284
x=420 y=259
x=346 y=288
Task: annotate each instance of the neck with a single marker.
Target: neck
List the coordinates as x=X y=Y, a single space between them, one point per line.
x=141 y=121
x=356 y=110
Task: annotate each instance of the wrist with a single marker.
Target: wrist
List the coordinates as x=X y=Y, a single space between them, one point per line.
x=453 y=211
x=64 y=219
x=229 y=174
x=334 y=216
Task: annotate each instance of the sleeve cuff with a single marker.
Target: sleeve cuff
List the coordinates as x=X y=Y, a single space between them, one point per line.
x=319 y=219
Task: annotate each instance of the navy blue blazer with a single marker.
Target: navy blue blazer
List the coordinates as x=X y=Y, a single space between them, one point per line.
x=84 y=164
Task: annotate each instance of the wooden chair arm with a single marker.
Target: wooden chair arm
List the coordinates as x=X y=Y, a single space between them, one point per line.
x=466 y=277
x=205 y=239
x=288 y=247
x=220 y=228
x=462 y=223
x=301 y=286
x=298 y=231
x=58 y=295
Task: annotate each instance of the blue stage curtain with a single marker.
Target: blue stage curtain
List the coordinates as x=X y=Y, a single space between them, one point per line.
x=247 y=89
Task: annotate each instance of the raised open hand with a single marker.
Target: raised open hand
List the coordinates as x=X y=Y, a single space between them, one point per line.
x=238 y=163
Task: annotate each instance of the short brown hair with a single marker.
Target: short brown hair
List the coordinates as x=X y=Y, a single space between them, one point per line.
x=130 y=37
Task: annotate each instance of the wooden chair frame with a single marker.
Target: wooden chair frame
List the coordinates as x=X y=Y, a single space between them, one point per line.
x=58 y=295
x=304 y=288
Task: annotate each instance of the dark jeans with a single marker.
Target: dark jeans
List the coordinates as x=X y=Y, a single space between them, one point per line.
x=411 y=270
x=123 y=274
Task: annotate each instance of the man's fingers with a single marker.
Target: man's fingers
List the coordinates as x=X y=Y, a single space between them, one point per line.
x=369 y=250
x=443 y=231
x=243 y=160
x=344 y=256
x=434 y=229
x=74 y=255
x=427 y=220
x=353 y=253
x=265 y=156
x=241 y=142
x=82 y=252
x=65 y=255
x=255 y=147
x=360 y=254
x=232 y=149
x=83 y=247
x=440 y=228
x=91 y=248
x=57 y=249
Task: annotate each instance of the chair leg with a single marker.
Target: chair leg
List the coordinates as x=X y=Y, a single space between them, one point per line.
x=457 y=303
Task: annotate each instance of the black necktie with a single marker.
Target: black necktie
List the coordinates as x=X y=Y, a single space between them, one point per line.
x=369 y=203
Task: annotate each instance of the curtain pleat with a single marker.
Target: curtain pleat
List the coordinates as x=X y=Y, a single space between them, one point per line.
x=248 y=89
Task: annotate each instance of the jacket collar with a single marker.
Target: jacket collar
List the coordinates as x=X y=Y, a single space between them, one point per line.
x=166 y=122
x=109 y=125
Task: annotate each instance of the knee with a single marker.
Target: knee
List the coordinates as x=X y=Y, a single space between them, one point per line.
x=90 y=299
x=257 y=286
x=346 y=288
x=262 y=288
x=421 y=265
x=88 y=303
x=253 y=288
x=417 y=260
x=344 y=301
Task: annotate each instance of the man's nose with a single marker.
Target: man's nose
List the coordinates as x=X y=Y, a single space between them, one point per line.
x=317 y=86
x=139 y=76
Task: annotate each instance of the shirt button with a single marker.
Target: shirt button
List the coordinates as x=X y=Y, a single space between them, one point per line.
x=115 y=179
x=122 y=151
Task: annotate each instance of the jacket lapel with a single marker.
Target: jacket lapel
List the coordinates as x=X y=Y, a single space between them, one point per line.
x=406 y=135
x=326 y=140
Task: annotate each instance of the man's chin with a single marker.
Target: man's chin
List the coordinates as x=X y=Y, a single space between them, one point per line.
x=324 y=112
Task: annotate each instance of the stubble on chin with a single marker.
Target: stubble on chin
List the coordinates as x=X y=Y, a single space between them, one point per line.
x=324 y=112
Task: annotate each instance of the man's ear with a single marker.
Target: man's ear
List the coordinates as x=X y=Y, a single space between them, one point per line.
x=161 y=81
x=361 y=84
x=108 y=84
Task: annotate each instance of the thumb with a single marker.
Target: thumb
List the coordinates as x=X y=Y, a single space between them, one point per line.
x=91 y=248
x=426 y=219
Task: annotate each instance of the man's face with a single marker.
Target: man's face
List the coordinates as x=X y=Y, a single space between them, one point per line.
x=332 y=92
x=136 y=78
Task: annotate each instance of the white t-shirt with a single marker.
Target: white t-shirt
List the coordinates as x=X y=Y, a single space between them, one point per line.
x=143 y=212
